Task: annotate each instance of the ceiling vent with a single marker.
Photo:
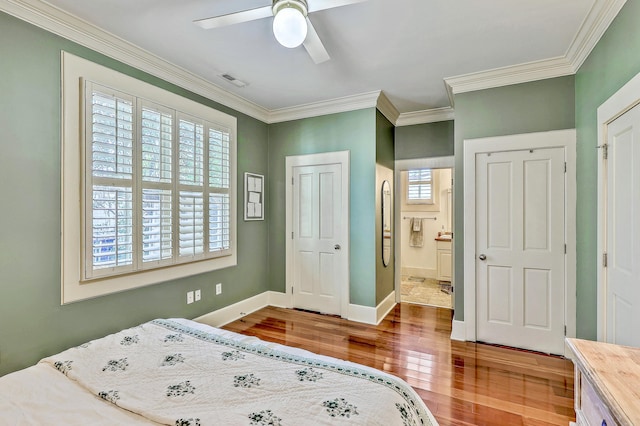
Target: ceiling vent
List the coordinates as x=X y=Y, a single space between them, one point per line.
x=231 y=79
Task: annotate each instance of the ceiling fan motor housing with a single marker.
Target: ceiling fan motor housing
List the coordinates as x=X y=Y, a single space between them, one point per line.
x=300 y=5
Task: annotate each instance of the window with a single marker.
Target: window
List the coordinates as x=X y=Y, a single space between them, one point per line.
x=420 y=186
x=157 y=199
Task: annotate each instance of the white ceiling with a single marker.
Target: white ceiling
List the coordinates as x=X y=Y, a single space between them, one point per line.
x=405 y=48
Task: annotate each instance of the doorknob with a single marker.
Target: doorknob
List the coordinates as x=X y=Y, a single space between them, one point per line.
x=482 y=257
x=337 y=247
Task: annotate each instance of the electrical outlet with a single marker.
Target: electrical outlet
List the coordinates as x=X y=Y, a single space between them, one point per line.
x=198 y=295
x=218 y=288
x=189 y=297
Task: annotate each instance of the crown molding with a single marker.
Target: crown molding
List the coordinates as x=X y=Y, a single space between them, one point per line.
x=593 y=27
x=61 y=23
x=426 y=116
x=56 y=21
x=332 y=106
x=600 y=16
x=514 y=74
x=386 y=107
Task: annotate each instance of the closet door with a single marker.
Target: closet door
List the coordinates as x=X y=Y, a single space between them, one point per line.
x=520 y=259
x=623 y=230
x=317 y=234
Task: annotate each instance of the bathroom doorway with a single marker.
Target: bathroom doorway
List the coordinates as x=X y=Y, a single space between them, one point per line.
x=424 y=210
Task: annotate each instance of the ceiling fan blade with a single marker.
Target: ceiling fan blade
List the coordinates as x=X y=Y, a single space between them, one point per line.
x=314 y=46
x=234 y=18
x=315 y=5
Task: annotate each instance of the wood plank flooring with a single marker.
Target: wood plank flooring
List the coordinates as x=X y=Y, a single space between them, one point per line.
x=462 y=383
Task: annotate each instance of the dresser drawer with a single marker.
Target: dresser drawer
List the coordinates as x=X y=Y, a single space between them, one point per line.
x=589 y=408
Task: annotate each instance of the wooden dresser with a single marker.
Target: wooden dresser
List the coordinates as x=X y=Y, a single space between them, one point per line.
x=607 y=383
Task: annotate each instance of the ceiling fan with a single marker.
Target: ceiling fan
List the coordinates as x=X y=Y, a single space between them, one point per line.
x=291 y=24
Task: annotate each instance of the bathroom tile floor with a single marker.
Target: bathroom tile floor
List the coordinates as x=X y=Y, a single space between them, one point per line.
x=424 y=291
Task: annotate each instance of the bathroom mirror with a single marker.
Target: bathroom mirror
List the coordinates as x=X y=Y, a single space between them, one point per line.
x=386 y=223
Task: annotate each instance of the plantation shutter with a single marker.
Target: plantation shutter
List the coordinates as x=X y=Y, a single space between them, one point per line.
x=219 y=197
x=110 y=153
x=420 y=186
x=158 y=183
x=191 y=193
x=156 y=140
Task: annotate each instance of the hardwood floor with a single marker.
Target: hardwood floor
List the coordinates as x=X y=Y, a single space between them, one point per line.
x=462 y=383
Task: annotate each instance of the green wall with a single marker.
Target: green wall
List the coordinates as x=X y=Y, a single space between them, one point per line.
x=523 y=108
x=354 y=131
x=613 y=62
x=34 y=324
x=384 y=171
x=424 y=140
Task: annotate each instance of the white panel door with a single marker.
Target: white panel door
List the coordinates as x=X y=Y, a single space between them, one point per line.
x=623 y=230
x=317 y=231
x=520 y=262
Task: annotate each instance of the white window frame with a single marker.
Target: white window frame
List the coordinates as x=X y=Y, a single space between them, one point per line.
x=75 y=286
x=429 y=182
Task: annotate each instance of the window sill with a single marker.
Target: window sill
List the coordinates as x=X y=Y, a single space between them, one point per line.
x=74 y=290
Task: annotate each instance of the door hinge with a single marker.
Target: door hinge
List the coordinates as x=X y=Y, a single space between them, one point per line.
x=565 y=330
x=291 y=289
x=292 y=181
x=605 y=259
x=605 y=150
x=292 y=235
x=565 y=167
x=565 y=249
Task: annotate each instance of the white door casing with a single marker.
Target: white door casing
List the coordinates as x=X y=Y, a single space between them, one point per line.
x=622 y=230
x=418 y=163
x=565 y=139
x=611 y=220
x=317 y=232
x=520 y=248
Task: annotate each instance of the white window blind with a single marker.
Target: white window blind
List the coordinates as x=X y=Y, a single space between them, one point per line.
x=156 y=141
x=420 y=186
x=111 y=117
x=158 y=189
x=149 y=183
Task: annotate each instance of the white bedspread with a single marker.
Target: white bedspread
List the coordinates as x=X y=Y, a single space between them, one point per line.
x=182 y=373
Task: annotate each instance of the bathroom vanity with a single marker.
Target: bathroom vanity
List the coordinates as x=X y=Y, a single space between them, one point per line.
x=444 y=258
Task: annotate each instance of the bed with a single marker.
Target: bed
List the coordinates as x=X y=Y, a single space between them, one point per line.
x=180 y=372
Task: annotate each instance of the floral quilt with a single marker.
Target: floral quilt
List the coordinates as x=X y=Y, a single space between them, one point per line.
x=175 y=374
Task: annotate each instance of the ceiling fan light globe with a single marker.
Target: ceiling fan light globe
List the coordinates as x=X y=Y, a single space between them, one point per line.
x=290 y=27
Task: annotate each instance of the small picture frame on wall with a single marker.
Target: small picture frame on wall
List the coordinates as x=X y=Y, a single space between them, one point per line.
x=253 y=196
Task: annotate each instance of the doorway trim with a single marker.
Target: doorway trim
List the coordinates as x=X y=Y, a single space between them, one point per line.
x=537 y=140
x=619 y=103
x=337 y=157
x=447 y=162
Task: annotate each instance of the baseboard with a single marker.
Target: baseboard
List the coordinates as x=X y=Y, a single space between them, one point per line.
x=278 y=299
x=419 y=272
x=358 y=313
x=371 y=315
x=458 y=331
x=230 y=313
x=385 y=307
